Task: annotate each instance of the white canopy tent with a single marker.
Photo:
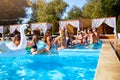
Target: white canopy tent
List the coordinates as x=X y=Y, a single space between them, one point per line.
x=43 y=26
x=14 y=27
x=75 y=23
x=109 y=21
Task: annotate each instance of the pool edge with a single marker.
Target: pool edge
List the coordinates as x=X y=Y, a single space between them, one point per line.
x=108 y=67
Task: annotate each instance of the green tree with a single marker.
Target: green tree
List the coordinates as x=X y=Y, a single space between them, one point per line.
x=92 y=9
x=12 y=9
x=111 y=7
x=118 y=24
x=51 y=11
x=102 y=8
x=74 y=13
x=87 y=10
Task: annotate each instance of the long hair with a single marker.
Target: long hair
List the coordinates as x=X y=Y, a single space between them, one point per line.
x=46 y=35
x=63 y=38
x=36 y=35
x=17 y=37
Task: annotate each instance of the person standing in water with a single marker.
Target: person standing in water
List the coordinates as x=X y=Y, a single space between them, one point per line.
x=48 y=40
x=34 y=42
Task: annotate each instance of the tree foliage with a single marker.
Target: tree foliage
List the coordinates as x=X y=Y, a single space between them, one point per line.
x=51 y=11
x=87 y=10
x=74 y=13
x=118 y=24
x=111 y=7
x=48 y=11
x=93 y=9
x=12 y=9
x=101 y=8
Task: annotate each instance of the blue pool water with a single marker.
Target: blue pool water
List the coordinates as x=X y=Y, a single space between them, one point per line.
x=79 y=65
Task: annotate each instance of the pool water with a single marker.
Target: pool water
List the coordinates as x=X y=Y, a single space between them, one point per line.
x=51 y=67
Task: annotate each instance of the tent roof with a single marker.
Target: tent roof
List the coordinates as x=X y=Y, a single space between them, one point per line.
x=111 y=22
x=64 y=23
x=44 y=26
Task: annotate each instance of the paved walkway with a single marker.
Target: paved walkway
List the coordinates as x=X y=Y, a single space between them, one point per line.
x=109 y=65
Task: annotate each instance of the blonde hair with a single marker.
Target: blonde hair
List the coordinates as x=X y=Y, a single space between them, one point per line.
x=62 y=38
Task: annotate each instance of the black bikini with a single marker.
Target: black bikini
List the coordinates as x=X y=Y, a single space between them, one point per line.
x=34 y=46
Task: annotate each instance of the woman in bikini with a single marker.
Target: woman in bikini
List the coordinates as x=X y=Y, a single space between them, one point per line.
x=34 y=43
x=48 y=40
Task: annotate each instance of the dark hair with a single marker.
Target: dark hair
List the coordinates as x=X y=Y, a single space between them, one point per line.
x=90 y=30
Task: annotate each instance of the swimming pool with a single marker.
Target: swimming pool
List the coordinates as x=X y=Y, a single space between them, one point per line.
x=51 y=67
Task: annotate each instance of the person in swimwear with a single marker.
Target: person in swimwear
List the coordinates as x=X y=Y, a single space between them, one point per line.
x=48 y=40
x=78 y=39
x=17 y=39
x=96 y=35
x=85 y=37
x=34 y=43
x=61 y=40
x=90 y=37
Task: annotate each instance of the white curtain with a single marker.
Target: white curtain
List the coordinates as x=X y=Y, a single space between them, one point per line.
x=43 y=26
x=18 y=27
x=75 y=23
x=13 y=28
x=1 y=29
x=34 y=26
x=109 y=21
x=49 y=26
x=62 y=24
x=97 y=22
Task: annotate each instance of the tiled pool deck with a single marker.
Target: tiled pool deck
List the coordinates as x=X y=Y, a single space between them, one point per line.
x=108 y=67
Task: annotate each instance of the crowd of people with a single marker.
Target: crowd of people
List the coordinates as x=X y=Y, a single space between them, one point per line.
x=87 y=36
x=63 y=40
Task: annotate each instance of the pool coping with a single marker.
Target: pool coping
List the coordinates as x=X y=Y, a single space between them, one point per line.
x=108 y=67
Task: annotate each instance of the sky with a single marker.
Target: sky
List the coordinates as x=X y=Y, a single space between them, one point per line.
x=78 y=3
